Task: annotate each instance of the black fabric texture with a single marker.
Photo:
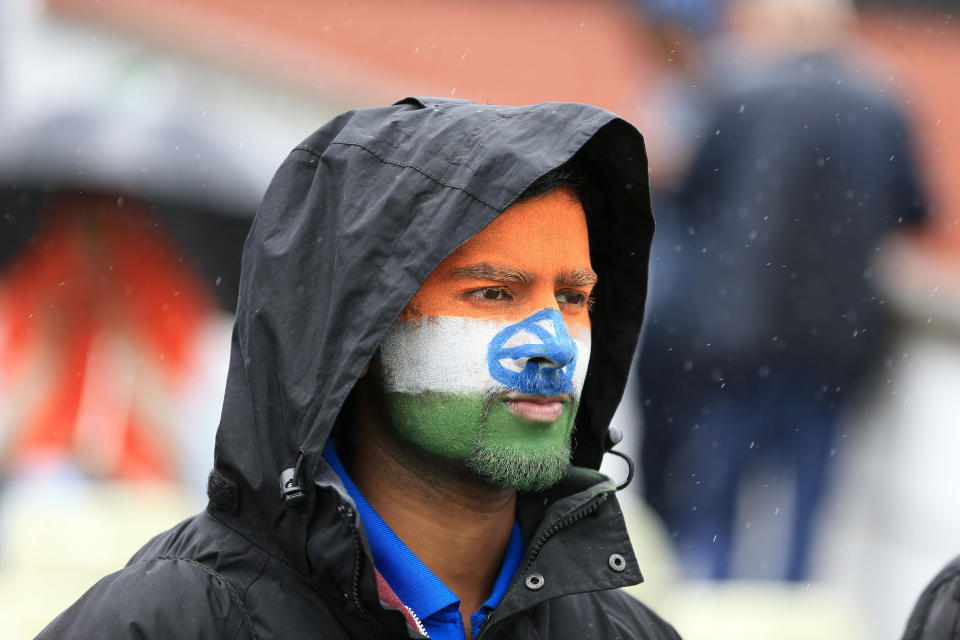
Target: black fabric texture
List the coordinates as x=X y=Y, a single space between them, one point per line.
x=354 y=221
x=936 y=616
x=223 y=494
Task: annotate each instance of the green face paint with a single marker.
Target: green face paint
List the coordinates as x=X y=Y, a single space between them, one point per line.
x=505 y=449
x=498 y=396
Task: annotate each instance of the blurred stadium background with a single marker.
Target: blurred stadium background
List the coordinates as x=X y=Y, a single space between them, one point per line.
x=135 y=141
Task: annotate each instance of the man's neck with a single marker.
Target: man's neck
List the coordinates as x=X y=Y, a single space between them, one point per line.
x=456 y=525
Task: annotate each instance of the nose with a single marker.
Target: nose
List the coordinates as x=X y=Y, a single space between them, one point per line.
x=536 y=355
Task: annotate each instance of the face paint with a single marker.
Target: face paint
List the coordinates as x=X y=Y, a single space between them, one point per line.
x=496 y=384
x=536 y=355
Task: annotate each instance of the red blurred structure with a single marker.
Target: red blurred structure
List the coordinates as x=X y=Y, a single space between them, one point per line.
x=98 y=303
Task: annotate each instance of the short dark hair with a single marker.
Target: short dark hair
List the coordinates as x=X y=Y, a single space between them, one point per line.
x=568 y=174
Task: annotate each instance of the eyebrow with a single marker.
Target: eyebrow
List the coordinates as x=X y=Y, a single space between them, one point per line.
x=486 y=271
x=578 y=277
x=496 y=273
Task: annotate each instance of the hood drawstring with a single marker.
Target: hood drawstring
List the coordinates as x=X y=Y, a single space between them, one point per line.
x=291 y=491
x=612 y=439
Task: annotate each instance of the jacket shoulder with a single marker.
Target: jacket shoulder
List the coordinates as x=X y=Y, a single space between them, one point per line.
x=602 y=615
x=167 y=590
x=632 y=613
x=166 y=597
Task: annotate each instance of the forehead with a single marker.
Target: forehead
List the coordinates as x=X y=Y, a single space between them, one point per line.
x=544 y=235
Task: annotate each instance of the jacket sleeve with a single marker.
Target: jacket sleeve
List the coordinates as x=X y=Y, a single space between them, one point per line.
x=936 y=616
x=166 y=597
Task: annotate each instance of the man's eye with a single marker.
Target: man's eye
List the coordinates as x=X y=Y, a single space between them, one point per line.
x=492 y=294
x=571 y=297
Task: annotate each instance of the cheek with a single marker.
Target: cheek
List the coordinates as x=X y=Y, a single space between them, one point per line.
x=580 y=373
x=447 y=354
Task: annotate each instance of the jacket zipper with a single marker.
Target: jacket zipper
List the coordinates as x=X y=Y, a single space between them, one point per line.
x=589 y=508
x=416 y=618
x=358 y=555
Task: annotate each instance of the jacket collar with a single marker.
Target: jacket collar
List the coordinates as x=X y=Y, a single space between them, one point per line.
x=575 y=541
x=579 y=545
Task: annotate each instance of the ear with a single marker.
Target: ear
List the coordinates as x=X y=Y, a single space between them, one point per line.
x=370 y=364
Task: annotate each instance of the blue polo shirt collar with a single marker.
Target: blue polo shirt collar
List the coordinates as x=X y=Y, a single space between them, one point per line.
x=416 y=586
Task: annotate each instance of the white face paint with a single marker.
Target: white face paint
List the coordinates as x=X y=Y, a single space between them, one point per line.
x=453 y=355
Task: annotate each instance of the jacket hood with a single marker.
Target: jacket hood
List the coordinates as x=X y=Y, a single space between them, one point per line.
x=355 y=220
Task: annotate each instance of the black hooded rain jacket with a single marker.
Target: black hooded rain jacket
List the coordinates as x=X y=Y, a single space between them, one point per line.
x=353 y=223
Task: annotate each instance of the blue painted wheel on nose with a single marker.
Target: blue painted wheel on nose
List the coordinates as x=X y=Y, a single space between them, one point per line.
x=547 y=363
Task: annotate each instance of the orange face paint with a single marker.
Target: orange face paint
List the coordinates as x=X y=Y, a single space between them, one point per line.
x=535 y=255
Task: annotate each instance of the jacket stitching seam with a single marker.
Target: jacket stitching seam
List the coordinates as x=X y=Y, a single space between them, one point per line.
x=258 y=546
x=404 y=165
x=273 y=556
x=263 y=568
x=233 y=593
x=246 y=590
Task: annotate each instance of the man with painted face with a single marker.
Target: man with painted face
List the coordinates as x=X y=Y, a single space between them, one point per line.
x=438 y=308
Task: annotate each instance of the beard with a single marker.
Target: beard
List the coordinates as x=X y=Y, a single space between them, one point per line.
x=510 y=468
x=479 y=438
x=515 y=465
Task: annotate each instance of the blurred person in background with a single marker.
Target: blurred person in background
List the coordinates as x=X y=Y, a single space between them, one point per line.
x=769 y=320
x=413 y=332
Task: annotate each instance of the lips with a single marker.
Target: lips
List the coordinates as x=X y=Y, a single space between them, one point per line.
x=535 y=407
